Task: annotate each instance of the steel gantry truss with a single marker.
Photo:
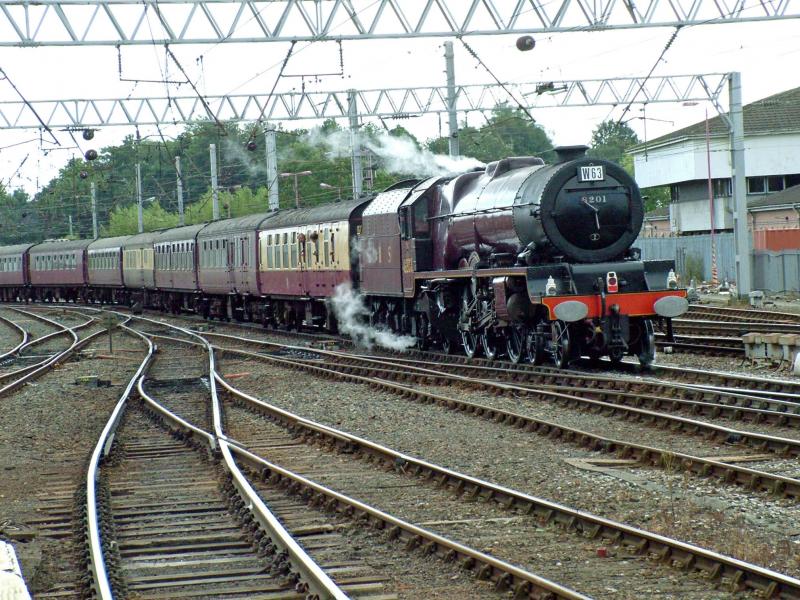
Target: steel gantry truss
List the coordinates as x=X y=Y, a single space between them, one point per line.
x=395 y=103
x=130 y=22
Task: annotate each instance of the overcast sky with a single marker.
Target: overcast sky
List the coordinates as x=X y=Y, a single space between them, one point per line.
x=765 y=53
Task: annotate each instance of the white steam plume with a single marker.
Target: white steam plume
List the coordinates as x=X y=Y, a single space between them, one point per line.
x=399 y=154
x=253 y=161
x=350 y=311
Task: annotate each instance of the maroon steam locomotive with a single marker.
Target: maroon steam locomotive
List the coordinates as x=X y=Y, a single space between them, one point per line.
x=517 y=258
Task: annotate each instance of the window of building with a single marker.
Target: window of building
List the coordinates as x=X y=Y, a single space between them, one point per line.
x=722 y=188
x=755 y=185
x=775 y=183
x=792 y=180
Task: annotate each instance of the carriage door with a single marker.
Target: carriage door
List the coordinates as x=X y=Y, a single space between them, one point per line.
x=230 y=245
x=244 y=265
x=305 y=257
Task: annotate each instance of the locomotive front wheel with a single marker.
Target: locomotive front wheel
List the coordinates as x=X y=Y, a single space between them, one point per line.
x=515 y=345
x=560 y=345
x=647 y=348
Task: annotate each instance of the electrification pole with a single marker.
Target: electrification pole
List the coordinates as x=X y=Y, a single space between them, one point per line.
x=355 y=143
x=178 y=174
x=93 y=189
x=452 y=120
x=139 y=196
x=741 y=233
x=212 y=148
x=272 y=167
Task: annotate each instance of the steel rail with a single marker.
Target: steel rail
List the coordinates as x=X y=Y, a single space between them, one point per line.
x=722 y=313
x=312 y=578
x=686 y=555
x=23 y=332
x=504 y=574
x=670 y=391
x=100 y=581
x=648 y=455
x=733 y=327
x=31 y=372
x=761 y=441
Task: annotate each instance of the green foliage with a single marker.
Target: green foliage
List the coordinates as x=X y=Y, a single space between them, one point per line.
x=655 y=197
x=693 y=268
x=508 y=132
x=242 y=175
x=610 y=140
x=124 y=220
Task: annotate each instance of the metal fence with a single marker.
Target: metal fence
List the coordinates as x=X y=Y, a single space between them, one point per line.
x=772 y=271
x=776 y=271
x=692 y=254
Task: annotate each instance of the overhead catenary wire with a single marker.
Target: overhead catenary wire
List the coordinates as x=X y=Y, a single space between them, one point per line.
x=519 y=104
x=667 y=46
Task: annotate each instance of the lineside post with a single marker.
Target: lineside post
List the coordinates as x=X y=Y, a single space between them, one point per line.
x=741 y=233
x=212 y=149
x=272 y=167
x=452 y=119
x=93 y=189
x=355 y=144
x=179 y=176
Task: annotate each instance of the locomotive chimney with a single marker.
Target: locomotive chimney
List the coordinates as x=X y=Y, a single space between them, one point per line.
x=568 y=153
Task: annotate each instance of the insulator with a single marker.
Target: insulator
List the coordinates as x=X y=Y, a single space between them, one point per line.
x=88 y=134
x=525 y=43
x=90 y=155
x=83 y=174
x=252 y=146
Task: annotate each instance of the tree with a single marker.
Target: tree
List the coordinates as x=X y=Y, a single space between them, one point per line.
x=509 y=132
x=611 y=139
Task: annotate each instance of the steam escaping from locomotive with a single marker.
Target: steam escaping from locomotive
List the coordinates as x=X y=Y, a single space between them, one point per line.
x=351 y=312
x=400 y=154
x=234 y=151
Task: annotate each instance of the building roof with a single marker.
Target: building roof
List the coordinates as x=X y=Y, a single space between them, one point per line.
x=789 y=196
x=779 y=113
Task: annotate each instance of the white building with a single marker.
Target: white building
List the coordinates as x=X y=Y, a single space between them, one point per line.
x=680 y=160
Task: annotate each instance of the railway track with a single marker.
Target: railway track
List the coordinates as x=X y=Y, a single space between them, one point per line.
x=731 y=329
x=698 y=311
x=298 y=434
x=371 y=372
x=279 y=481
x=326 y=543
x=12 y=378
x=285 y=444
x=702 y=344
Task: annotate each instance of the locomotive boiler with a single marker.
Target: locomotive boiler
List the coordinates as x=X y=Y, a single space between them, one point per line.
x=522 y=258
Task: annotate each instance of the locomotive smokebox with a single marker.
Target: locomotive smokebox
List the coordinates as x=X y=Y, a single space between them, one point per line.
x=519 y=210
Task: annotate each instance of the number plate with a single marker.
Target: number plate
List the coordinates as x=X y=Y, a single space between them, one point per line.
x=591 y=173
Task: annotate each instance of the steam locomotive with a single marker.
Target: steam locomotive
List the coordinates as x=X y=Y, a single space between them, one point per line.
x=519 y=258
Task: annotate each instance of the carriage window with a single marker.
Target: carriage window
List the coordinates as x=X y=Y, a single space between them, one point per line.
x=268 y=251
x=293 y=250
x=326 y=247
x=285 y=251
